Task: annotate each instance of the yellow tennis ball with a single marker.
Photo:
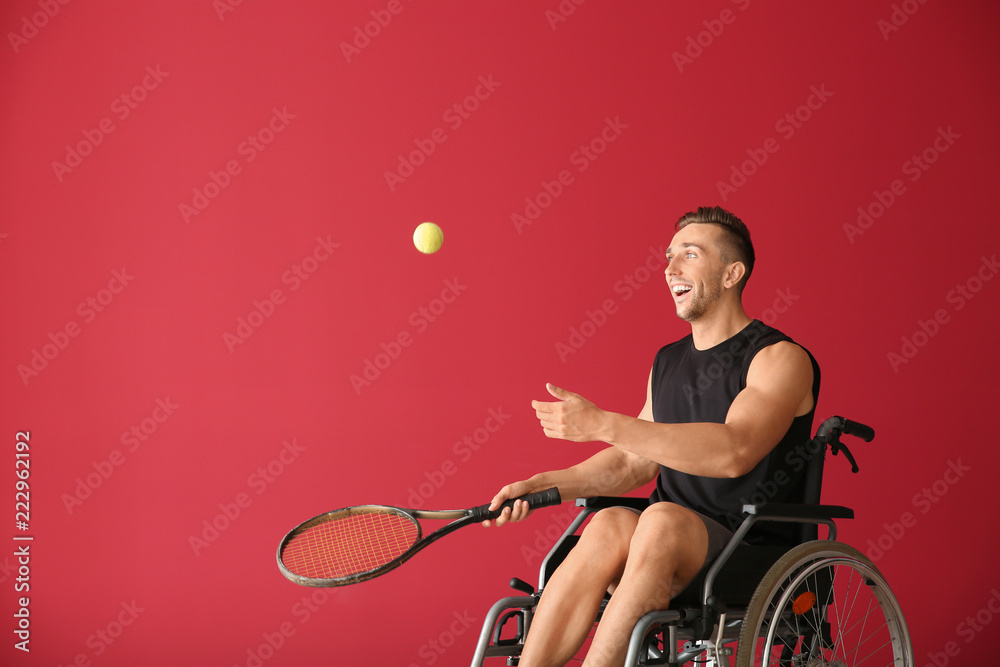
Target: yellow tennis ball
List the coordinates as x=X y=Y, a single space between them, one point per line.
x=428 y=237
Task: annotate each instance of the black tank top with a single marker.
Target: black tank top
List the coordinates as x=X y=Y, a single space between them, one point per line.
x=691 y=385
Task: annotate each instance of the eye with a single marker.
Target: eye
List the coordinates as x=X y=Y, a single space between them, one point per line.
x=690 y=254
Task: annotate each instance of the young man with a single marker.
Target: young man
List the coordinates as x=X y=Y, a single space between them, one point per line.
x=724 y=406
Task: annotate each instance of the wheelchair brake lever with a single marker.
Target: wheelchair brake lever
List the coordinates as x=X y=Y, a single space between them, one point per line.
x=836 y=446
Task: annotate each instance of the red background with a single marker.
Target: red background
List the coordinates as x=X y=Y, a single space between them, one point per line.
x=854 y=297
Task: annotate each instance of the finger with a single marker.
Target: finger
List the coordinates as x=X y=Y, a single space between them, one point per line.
x=541 y=406
x=548 y=424
x=550 y=419
x=559 y=393
x=502 y=496
x=544 y=418
x=559 y=434
x=526 y=509
x=520 y=511
x=504 y=517
x=512 y=513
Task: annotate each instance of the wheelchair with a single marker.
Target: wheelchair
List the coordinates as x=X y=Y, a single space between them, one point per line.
x=821 y=603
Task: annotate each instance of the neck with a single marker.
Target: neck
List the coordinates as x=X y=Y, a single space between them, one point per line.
x=720 y=325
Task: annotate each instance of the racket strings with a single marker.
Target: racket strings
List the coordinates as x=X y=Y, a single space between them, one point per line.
x=349 y=544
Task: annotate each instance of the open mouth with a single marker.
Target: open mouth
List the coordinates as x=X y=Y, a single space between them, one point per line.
x=680 y=290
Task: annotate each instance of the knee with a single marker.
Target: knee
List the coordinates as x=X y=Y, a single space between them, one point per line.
x=609 y=533
x=663 y=525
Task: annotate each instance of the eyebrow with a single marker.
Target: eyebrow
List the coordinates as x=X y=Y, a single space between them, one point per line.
x=687 y=245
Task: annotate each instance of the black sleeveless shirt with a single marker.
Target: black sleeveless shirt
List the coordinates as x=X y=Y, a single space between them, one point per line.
x=691 y=385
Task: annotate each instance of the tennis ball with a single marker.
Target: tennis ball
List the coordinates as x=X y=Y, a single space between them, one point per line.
x=428 y=237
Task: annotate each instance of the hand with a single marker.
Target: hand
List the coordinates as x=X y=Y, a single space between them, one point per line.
x=572 y=417
x=519 y=512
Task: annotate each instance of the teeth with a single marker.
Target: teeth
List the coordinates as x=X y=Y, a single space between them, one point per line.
x=680 y=289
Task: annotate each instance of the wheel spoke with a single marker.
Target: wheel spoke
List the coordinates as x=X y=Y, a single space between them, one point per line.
x=850 y=611
x=864 y=622
x=837 y=608
x=887 y=642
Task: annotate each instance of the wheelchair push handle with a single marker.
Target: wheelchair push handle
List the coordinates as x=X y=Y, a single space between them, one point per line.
x=866 y=433
x=535 y=500
x=832 y=427
x=830 y=431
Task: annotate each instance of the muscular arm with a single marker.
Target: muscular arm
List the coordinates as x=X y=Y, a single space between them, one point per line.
x=779 y=387
x=610 y=472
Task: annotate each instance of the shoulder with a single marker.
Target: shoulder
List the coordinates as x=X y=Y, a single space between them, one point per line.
x=784 y=363
x=670 y=355
x=783 y=353
x=771 y=349
x=760 y=335
x=680 y=344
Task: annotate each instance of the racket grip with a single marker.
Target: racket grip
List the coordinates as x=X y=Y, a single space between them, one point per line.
x=535 y=500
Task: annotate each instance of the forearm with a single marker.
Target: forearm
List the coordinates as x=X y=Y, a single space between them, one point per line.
x=704 y=449
x=610 y=472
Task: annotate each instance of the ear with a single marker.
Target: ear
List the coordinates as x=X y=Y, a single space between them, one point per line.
x=734 y=274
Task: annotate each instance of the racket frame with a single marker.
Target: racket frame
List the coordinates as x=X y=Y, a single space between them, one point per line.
x=459 y=518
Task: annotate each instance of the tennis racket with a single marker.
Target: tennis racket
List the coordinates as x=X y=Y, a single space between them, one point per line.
x=358 y=543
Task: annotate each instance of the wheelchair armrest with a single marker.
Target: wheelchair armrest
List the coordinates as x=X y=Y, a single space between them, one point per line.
x=603 y=502
x=795 y=512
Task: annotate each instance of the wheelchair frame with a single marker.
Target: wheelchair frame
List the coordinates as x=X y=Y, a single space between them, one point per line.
x=778 y=615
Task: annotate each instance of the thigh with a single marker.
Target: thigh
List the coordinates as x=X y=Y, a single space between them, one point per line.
x=603 y=548
x=677 y=540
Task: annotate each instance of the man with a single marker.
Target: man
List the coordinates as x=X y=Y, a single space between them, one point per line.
x=724 y=406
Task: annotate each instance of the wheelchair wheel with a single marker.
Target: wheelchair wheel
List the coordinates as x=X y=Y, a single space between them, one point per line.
x=823 y=604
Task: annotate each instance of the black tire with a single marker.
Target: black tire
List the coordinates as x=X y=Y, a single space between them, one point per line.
x=851 y=617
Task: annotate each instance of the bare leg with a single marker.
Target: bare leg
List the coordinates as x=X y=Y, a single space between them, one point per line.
x=667 y=550
x=572 y=596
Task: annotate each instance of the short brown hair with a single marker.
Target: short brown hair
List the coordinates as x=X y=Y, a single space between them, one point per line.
x=736 y=244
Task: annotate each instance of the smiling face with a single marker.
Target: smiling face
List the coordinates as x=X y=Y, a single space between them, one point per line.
x=695 y=270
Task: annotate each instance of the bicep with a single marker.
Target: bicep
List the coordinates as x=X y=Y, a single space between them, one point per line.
x=778 y=381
